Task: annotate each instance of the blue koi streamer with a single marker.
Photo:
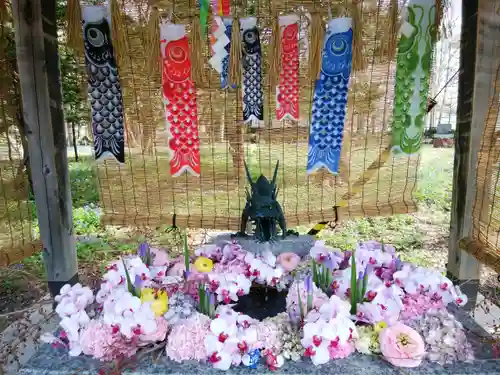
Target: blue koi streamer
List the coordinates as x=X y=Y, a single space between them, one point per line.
x=330 y=98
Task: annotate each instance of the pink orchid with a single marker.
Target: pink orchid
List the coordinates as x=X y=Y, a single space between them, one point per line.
x=210 y=251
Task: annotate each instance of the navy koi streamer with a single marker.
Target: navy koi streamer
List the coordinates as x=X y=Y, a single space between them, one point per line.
x=104 y=90
x=253 y=106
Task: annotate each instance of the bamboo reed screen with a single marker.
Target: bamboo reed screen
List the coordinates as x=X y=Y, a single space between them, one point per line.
x=17 y=239
x=141 y=192
x=371 y=181
x=486 y=215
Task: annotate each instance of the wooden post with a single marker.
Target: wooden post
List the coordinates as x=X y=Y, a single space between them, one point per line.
x=475 y=83
x=39 y=74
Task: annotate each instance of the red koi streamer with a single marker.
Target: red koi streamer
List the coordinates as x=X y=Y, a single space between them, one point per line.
x=287 y=92
x=179 y=96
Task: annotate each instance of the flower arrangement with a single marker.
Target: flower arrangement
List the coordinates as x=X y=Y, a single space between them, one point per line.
x=366 y=300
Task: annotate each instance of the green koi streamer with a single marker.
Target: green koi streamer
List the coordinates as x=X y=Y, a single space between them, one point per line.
x=418 y=35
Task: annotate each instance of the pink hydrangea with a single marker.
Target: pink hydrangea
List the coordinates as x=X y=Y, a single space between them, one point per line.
x=338 y=351
x=103 y=342
x=268 y=336
x=185 y=341
x=417 y=304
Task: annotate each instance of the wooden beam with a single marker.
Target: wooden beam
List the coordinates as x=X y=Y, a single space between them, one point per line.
x=476 y=79
x=39 y=74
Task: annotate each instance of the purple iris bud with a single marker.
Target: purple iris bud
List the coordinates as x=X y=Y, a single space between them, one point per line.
x=399 y=264
x=212 y=299
x=308 y=284
x=361 y=274
x=138 y=281
x=143 y=249
x=186 y=275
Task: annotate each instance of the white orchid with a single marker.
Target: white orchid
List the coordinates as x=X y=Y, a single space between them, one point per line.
x=114 y=278
x=226 y=312
x=315 y=344
x=209 y=251
x=269 y=258
x=73 y=299
x=223 y=328
x=217 y=356
x=334 y=307
x=72 y=329
x=318 y=336
x=126 y=312
x=319 y=252
x=341 y=282
x=247 y=338
x=126 y=305
x=245 y=321
x=419 y=279
x=230 y=286
x=222 y=344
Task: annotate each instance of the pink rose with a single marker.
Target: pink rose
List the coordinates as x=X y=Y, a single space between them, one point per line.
x=159 y=335
x=402 y=346
x=160 y=257
x=289 y=261
x=177 y=269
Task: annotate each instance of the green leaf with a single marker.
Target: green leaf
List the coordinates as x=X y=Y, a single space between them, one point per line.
x=359 y=286
x=309 y=301
x=201 y=296
x=211 y=310
x=353 y=284
x=149 y=261
x=365 y=286
x=130 y=286
x=315 y=273
x=301 y=308
x=186 y=251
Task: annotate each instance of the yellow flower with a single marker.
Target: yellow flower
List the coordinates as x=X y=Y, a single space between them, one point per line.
x=379 y=326
x=203 y=264
x=158 y=299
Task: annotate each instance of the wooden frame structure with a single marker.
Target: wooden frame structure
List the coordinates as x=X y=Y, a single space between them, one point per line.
x=39 y=72
x=36 y=40
x=479 y=48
